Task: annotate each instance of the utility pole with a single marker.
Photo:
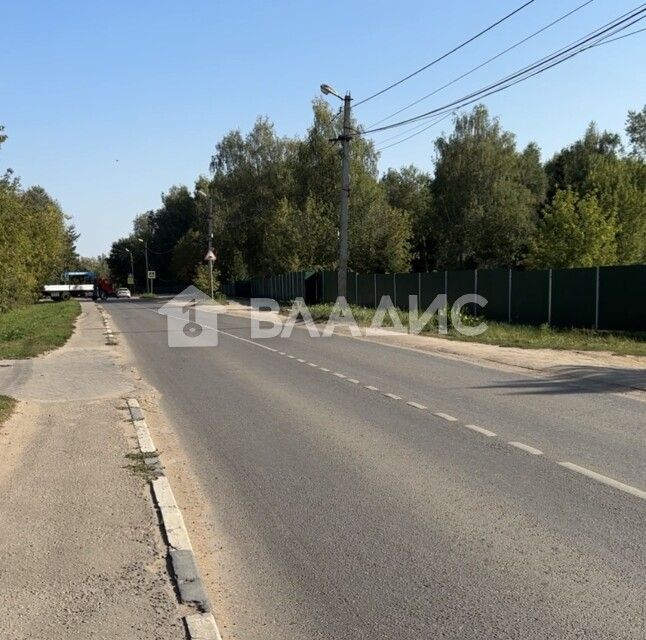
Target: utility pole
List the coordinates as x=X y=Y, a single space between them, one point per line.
x=345 y=138
x=211 y=240
x=210 y=256
x=145 y=242
x=345 y=199
x=132 y=270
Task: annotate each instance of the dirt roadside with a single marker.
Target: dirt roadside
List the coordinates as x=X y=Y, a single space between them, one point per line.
x=81 y=555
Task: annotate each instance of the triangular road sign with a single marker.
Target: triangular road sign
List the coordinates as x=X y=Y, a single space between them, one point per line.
x=210 y=256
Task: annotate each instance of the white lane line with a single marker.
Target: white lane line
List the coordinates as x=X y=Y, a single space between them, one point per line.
x=339 y=375
x=417 y=405
x=446 y=416
x=271 y=349
x=312 y=364
x=301 y=360
x=353 y=380
x=605 y=480
x=371 y=388
x=292 y=357
x=484 y=432
x=325 y=370
x=392 y=396
x=526 y=447
x=282 y=353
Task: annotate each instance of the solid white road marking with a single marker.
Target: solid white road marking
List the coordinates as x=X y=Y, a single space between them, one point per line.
x=605 y=480
x=353 y=380
x=371 y=388
x=325 y=370
x=484 y=432
x=526 y=447
x=339 y=375
x=392 y=396
x=417 y=405
x=446 y=416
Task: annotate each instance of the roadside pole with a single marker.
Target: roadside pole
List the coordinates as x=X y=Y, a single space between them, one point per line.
x=344 y=138
x=345 y=200
x=210 y=254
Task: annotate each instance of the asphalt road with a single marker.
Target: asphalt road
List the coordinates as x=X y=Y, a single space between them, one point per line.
x=347 y=513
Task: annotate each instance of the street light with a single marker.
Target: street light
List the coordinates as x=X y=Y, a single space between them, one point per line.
x=146 y=254
x=345 y=138
x=209 y=255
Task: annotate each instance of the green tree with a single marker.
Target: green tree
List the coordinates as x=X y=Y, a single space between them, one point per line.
x=574 y=232
x=485 y=194
x=636 y=131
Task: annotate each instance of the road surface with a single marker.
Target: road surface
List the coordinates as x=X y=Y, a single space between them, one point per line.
x=355 y=502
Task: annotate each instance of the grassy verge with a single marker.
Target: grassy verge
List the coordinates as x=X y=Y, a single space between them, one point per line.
x=28 y=331
x=7 y=405
x=511 y=335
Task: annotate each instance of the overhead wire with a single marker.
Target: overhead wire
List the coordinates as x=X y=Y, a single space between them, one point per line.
x=486 y=62
x=445 y=55
x=561 y=55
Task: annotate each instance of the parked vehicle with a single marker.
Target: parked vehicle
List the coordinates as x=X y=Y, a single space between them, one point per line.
x=123 y=292
x=79 y=284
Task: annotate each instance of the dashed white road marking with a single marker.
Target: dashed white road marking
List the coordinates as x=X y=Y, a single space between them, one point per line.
x=484 y=432
x=282 y=353
x=312 y=364
x=371 y=388
x=605 y=480
x=324 y=369
x=292 y=357
x=526 y=447
x=301 y=360
x=417 y=405
x=446 y=416
x=339 y=375
x=392 y=396
x=353 y=380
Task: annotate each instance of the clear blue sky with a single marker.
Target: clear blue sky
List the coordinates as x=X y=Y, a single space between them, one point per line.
x=154 y=85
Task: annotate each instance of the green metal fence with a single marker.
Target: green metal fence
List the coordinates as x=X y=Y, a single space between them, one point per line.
x=594 y=297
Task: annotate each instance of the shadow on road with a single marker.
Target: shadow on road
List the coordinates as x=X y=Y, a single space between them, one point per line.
x=582 y=379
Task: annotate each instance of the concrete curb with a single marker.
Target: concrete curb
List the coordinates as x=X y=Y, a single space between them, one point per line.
x=201 y=625
x=110 y=337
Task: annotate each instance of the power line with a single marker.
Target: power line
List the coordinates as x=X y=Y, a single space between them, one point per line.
x=598 y=44
x=547 y=62
x=486 y=62
x=445 y=55
x=426 y=128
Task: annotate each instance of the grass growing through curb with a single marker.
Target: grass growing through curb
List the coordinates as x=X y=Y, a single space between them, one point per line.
x=513 y=335
x=7 y=405
x=141 y=464
x=28 y=331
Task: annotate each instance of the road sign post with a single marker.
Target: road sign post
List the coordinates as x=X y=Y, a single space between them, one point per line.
x=151 y=276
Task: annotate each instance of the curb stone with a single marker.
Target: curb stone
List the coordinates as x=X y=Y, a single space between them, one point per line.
x=202 y=625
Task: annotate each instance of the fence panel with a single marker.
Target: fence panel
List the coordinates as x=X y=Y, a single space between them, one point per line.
x=493 y=284
x=459 y=284
x=406 y=284
x=622 y=297
x=385 y=285
x=432 y=285
x=573 y=297
x=366 y=289
x=530 y=296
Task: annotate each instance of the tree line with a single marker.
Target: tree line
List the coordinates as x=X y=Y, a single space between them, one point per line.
x=486 y=204
x=37 y=241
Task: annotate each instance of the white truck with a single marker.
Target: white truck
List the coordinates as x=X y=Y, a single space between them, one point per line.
x=75 y=284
